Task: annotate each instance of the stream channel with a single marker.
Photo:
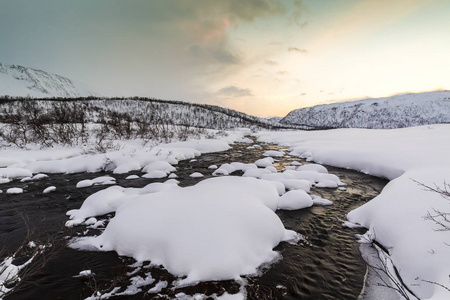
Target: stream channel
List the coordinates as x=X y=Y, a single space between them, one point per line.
x=326 y=265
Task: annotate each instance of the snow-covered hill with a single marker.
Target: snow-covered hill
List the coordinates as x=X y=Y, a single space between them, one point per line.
x=18 y=81
x=398 y=111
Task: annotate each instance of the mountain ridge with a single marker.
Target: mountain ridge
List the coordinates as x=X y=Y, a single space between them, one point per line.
x=404 y=110
x=20 y=81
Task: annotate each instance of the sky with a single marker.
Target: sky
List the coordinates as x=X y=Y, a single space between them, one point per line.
x=261 y=57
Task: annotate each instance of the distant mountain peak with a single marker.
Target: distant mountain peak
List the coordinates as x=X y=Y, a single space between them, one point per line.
x=403 y=110
x=19 y=81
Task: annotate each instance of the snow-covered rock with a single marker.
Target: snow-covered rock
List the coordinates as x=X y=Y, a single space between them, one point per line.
x=232 y=234
x=296 y=199
x=14 y=191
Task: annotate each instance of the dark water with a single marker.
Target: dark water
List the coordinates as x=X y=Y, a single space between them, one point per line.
x=327 y=265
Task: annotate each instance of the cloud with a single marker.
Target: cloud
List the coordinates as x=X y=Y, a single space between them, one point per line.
x=234 y=91
x=295 y=49
x=274 y=43
x=271 y=63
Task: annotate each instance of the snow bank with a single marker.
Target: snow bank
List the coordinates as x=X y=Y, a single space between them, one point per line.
x=232 y=234
x=132 y=156
x=396 y=217
x=14 y=173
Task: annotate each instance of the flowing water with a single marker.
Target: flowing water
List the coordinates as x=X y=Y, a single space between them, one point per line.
x=326 y=265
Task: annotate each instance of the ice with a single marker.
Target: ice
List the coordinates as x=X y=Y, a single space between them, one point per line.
x=14 y=191
x=49 y=189
x=232 y=234
x=293 y=200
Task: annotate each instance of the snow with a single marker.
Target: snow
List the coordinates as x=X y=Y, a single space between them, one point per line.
x=23 y=81
x=264 y=162
x=4 y=180
x=293 y=200
x=49 y=189
x=395 y=218
x=158 y=287
x=84 y=274
x=155 y=174
x=236 y=219
x=132 y=177
x=398 y=111
x=273 y=153
x=102 y=180
x=15 y=173
x=196 y=175
x=161 y=165
x=313 y=167
x=14 y=191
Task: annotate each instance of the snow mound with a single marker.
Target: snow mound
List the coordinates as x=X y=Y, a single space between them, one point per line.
x=273 y=153
x=49 y=189
x=102 y=180
x=264 y=162
x=293 y=200
x=14 y=191
x=196 y=175
x=232 y=234
x=313 y=167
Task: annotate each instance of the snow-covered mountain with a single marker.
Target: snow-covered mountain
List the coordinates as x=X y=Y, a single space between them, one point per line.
x=18 y=81
x=398 y=111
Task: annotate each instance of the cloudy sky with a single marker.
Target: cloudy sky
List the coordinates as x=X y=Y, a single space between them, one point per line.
x=262 y=57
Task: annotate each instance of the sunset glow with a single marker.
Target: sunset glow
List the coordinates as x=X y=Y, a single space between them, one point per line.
x=262 y=57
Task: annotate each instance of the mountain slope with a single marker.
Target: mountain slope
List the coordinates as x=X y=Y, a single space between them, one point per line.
x=398 y=111
x=18 y=81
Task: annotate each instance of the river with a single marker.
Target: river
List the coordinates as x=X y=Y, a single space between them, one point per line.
x=326 y=265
